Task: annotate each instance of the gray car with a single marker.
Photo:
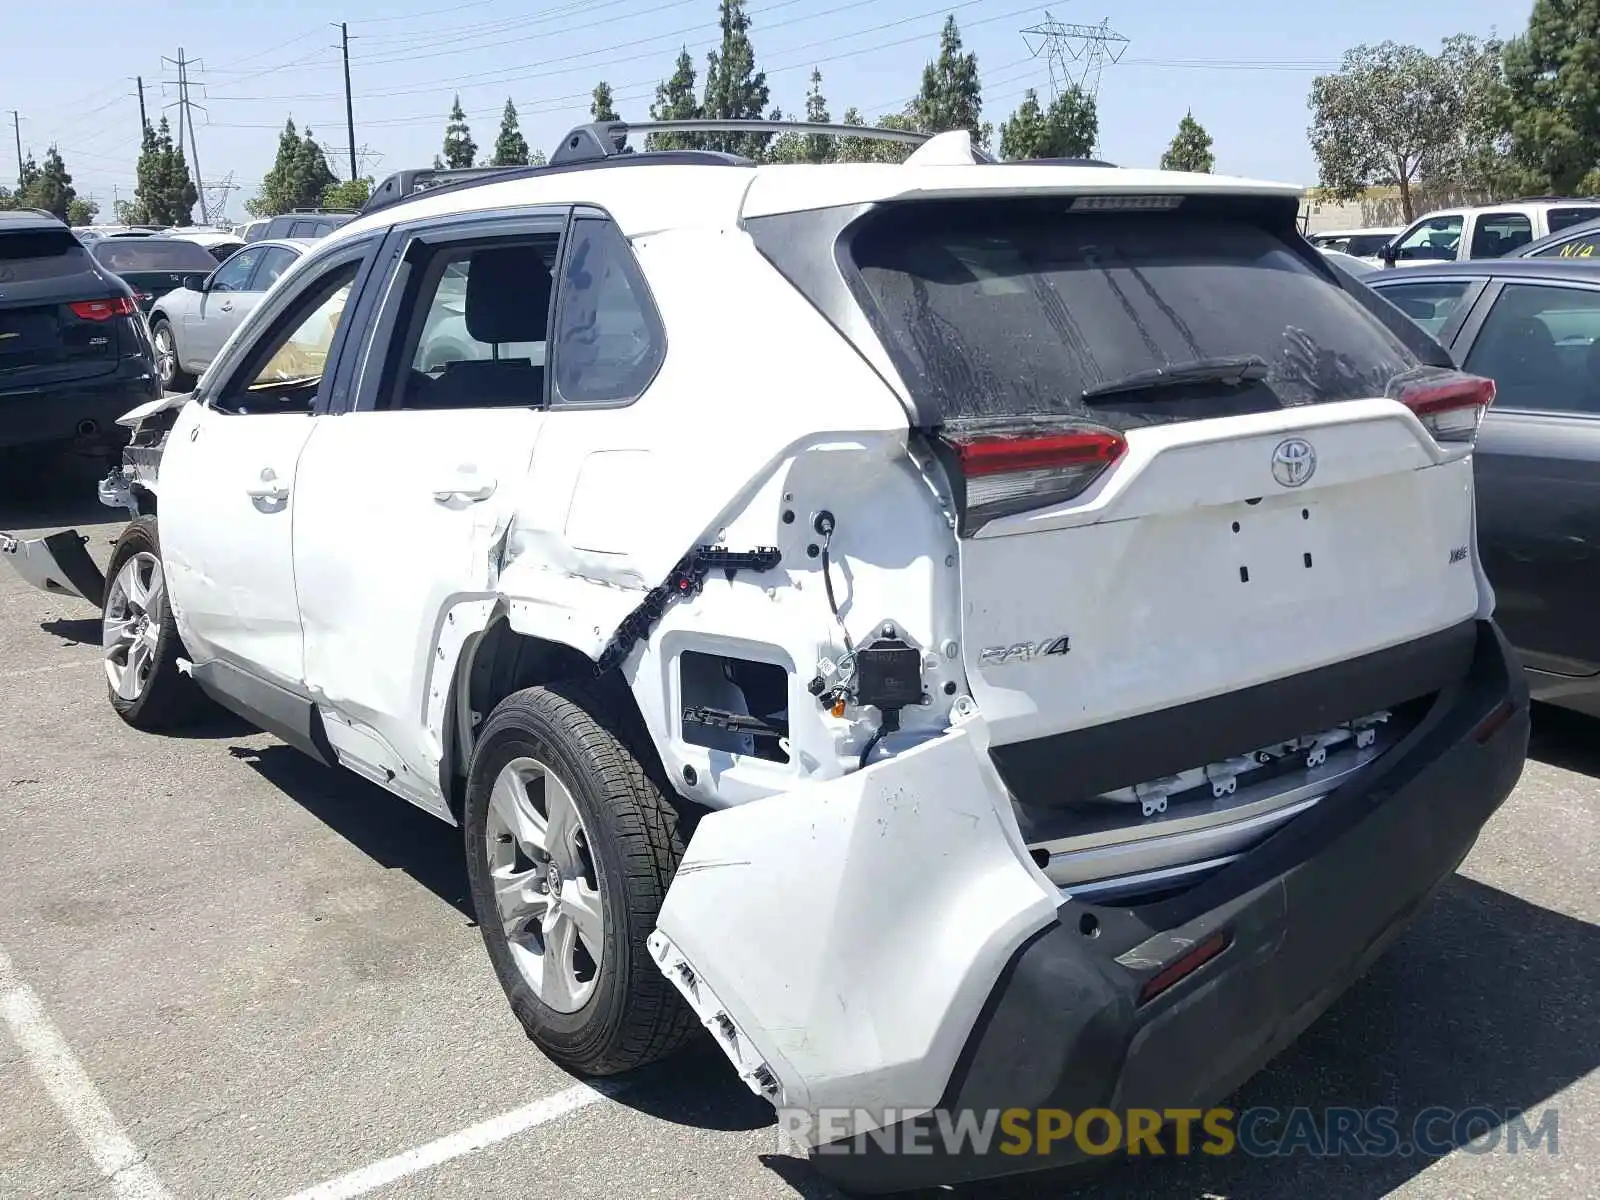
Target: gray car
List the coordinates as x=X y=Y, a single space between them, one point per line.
x=190 y=324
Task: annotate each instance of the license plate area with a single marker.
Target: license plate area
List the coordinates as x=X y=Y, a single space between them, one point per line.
x=1279 y=547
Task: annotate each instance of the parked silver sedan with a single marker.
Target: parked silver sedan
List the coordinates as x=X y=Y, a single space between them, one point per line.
x=190 y=324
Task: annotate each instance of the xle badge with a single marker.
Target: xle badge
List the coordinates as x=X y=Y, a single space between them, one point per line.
x=998 y=656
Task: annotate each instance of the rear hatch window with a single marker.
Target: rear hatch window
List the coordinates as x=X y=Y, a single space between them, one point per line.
x=134 y=255
x=1025 y=308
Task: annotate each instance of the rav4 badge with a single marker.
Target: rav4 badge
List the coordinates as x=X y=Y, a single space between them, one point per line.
x=997 y=656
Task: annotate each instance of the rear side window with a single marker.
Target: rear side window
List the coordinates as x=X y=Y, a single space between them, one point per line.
x=1497 y=234
x=1011 y=310
x=32 y=255
x=1541 y=346
x=1367 y=245
x=1565 y=218
x=609 y=341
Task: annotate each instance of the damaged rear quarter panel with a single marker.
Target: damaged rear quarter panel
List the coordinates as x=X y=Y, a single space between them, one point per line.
x=853 y=929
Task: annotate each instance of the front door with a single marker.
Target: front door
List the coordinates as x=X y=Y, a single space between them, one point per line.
x=220 y=309
x=404 y=500
x=228 y=502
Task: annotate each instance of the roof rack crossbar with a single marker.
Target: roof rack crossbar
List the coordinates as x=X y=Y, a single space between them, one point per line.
x=606 y=139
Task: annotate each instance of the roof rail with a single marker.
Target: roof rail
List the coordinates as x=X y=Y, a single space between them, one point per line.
x=606 y=139
x=1532 y=200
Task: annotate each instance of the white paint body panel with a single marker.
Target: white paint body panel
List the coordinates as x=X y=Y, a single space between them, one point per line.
x=853 y=929
x=228 y=553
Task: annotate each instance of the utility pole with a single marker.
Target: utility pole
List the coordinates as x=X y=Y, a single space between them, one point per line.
x=144 y=121
x=349 y=107
x=186 y=116
x=16 y=128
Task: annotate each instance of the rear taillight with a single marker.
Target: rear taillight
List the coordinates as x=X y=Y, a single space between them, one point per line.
x=1007 y=470
x=1450 y=404
x=103 y=310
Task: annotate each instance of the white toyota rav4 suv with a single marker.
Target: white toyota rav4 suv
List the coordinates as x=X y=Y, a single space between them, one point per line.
x=969 y=635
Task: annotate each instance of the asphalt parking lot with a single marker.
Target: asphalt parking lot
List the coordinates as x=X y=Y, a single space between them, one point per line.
x=228 y=972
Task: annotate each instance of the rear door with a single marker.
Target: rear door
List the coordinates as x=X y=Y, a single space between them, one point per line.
x=404 y=498
x=1130 y=545
x=53 y=328
x=1538 y=467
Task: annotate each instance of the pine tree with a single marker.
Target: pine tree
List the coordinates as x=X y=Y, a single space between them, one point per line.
x=951 y=95
x=299 y=177
x=459 y=148
x=49 y=187
x=1069 y=128
x=820 y=147
x=312 y=175
x=675 y=101
x=1552 y=77
x=1190 y=149
x=510 y=148
x=735 y=90
x=601 y=105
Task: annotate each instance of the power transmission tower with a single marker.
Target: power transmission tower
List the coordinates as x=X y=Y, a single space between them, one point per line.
x=214 y=199
x=1076 y=54
x=185 y=114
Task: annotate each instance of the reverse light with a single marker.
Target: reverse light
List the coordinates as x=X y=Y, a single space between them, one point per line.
x=1010 y=470
x=1450 y=404
x=103 y=310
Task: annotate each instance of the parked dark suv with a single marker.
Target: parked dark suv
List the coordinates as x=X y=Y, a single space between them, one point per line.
x=75 y=353
x=301 y=223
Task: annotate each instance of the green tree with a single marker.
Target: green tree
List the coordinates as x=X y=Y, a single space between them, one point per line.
x=675 y=101
x=459 y=148
x=951 y=95
x=299 y=176
x=27 y=176
x=860 y=150
x=82 y=212
x=735 y=90
x=1395 y=115
x=601 y=105
x=1190 y=149
x=806 y=148
x=536 y=158
x=348 y=193
x=1069 y=128
x=165 y=194
x=1552 y=109
x=49 y=187
x=510 y=148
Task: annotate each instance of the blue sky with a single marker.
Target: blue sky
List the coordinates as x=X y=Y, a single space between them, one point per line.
x=1245 y=74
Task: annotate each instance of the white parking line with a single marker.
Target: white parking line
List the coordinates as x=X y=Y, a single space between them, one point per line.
x=74 y=1093
x=474 y=1137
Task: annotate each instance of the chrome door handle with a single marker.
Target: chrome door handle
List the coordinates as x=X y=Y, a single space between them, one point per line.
x=227 y=307
x=468 y=485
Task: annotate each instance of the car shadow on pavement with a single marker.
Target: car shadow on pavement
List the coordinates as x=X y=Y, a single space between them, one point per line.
x=48 y=494
x=75 y=631
x=387 y=830
x=1565 y=739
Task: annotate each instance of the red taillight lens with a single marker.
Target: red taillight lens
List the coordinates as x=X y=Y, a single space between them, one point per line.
x=1450 y=404
x=1010 y=470
x=103 y=310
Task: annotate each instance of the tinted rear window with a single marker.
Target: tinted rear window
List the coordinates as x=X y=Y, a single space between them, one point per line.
x=1368 y=245
x=1563 y=218
x=1009 y=310
x=152 y=254
x=34 y=255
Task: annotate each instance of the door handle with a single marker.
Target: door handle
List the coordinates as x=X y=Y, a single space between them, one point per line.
x=226 y=306
x=467 y=485
x=269 y=489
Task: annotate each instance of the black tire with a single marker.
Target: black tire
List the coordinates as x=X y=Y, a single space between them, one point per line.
x=168 y=698
x=633 y=1017
x=180 y=380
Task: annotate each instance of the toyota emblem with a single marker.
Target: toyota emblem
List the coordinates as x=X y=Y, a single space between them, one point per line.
x=1293 y=462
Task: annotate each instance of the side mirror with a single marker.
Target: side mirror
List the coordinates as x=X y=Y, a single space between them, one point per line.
x=1389 y=253
x=195 y=282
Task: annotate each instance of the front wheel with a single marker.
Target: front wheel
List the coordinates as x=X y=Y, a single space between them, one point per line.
x=173 y=377
x=140 y=638
x=570 y=849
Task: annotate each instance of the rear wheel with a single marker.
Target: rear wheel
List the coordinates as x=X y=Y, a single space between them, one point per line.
x=570 y=849
x=140 y=638
x=173 y=377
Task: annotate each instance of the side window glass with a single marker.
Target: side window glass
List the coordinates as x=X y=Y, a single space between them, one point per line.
x=303 y=229
x=1497 y=234
x=1578 y=247
x=234 y=275
x=1565 y=218
x=284 y=369
x=1541 y=346
x=609 y=341
x=1429 y=304
x=1433 y=240
x=478 y=318
x=275 y=261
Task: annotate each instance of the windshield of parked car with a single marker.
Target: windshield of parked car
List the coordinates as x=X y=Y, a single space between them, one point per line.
x=123 y=255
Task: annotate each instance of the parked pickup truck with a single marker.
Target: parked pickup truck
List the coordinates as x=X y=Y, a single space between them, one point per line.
x=1452 y=234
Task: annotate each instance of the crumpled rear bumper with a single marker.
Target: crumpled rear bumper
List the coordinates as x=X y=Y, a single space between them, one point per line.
x=58 y=564
x=878 y=952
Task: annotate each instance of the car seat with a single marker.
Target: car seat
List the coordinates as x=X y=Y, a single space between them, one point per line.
x=507 y=300
x=1523 y=362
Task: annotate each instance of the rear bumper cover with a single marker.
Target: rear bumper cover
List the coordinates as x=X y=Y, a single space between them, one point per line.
x=1302 y=917
x=60 y=413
